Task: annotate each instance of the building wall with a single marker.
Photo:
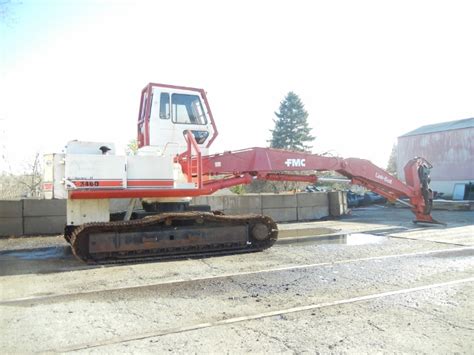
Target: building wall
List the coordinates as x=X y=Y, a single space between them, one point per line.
x=450 y=152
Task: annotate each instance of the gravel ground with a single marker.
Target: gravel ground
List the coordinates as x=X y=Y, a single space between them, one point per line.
x=377 y=283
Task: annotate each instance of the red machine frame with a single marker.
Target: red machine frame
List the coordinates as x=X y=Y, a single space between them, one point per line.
x=244 y=166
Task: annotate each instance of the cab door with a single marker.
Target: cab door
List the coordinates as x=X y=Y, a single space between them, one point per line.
x=143 y=134
x=173 y=113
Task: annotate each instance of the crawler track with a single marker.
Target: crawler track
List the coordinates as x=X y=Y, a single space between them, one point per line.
x=172 y=235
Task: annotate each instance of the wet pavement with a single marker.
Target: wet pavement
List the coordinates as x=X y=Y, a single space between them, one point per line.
x=38 y=260
x=371 y=283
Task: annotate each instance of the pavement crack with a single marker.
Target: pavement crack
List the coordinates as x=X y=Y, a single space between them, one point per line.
x=372 y=324
x=209 y=265
x=278 y=340
x=438 y=318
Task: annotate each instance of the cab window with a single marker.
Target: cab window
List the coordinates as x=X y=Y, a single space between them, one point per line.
x=164 y=105
x=187 y=109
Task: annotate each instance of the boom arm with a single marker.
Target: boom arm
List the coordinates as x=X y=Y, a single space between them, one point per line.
x=243 y=166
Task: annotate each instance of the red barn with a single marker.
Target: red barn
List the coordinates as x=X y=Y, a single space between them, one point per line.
x=449 y=147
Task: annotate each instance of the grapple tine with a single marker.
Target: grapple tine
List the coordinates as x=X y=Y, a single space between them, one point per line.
x=432 y=221
x=427 y=219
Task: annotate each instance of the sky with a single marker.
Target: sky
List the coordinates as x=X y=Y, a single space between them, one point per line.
x=367 y=71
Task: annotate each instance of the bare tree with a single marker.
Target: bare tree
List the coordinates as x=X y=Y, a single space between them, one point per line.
x=32 y=179
x=27 y=184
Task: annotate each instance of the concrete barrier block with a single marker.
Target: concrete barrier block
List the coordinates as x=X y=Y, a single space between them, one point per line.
x=281 y=214
x=244 y=203
x=338 y=203
x=11 y=209
x=312 y=213
x=279 y=201
x=237 y=211
x=200 y=200
x=44 y=225
x=11 y=226
x=36 y=208
x=310 y=199
x=216 y=202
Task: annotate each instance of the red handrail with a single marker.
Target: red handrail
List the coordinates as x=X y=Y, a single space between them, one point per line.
x=188 y=156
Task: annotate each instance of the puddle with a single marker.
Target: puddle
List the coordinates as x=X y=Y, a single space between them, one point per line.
x=344 y=239
x=299 y=232
x=38 y=254
x=357 y=239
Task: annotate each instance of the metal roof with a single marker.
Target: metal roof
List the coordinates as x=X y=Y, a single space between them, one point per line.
x=440 y=127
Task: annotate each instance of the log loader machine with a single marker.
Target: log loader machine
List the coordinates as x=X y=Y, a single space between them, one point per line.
x=175 y=130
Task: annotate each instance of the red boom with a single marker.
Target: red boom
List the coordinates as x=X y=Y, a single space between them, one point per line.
x=241 y=167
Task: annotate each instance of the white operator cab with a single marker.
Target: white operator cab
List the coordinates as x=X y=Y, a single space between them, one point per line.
x=167 y=113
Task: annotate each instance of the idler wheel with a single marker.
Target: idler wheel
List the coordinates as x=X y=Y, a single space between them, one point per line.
x=260 y=232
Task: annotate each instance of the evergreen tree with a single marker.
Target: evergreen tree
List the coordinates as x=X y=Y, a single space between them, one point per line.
x=392 y=161
x=291 y=127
